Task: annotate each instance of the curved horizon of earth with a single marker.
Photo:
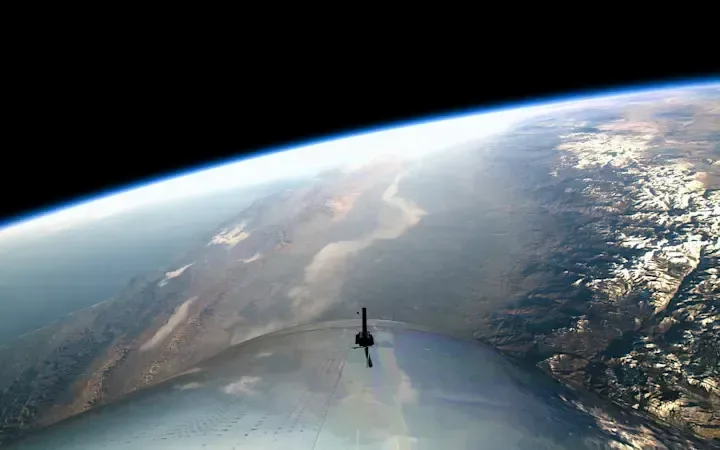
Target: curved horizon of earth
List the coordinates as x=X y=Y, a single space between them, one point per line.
x=583 y=237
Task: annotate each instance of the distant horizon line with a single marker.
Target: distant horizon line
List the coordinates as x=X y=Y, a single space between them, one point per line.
x=547 y=101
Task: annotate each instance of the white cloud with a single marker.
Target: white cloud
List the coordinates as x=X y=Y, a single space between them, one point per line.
x=186 y=386
x=244 y=386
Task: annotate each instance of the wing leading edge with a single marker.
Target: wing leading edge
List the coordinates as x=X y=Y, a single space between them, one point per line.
x=306 y=388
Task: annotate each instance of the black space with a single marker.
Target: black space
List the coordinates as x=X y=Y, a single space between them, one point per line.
x=77 y=133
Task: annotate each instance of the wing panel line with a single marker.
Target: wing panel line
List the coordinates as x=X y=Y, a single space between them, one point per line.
x=334 y=393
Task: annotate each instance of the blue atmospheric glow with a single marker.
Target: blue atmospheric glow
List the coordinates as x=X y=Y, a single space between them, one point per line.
x=574 y=97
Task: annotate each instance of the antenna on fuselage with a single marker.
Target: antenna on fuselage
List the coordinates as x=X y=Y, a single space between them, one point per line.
x=364 y=339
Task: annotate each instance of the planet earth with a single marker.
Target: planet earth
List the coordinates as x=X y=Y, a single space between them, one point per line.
x=581 y=235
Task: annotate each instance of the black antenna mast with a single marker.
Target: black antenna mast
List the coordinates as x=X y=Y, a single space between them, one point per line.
x=364 y=339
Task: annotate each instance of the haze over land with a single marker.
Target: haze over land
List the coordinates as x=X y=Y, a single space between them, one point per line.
x=44 y=277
